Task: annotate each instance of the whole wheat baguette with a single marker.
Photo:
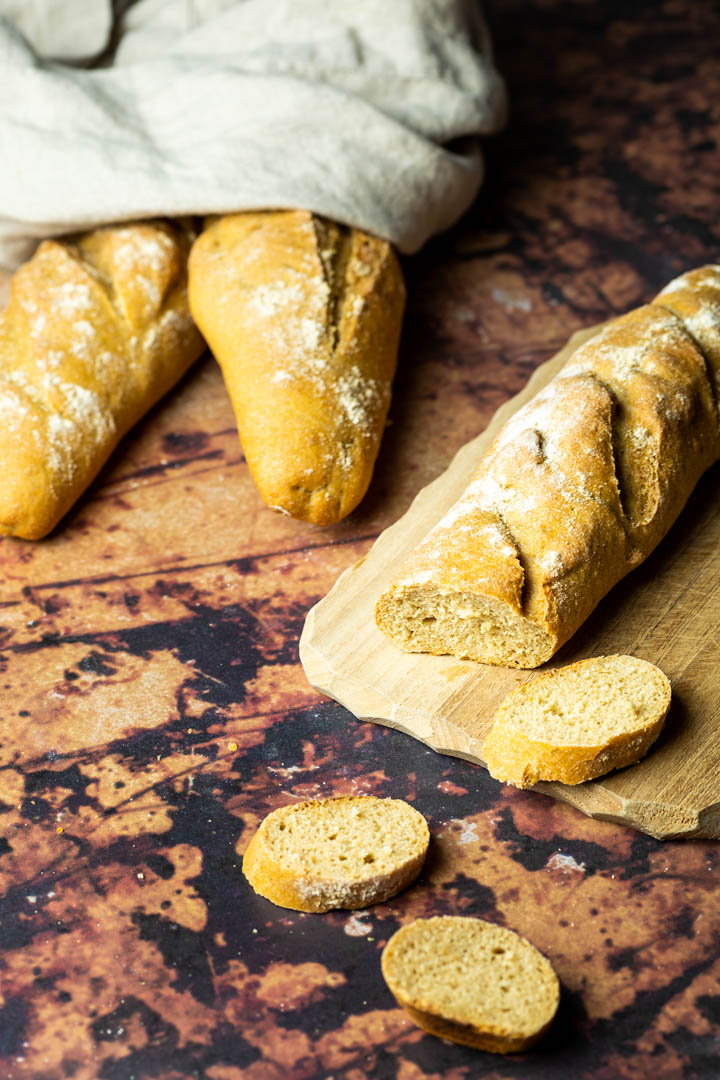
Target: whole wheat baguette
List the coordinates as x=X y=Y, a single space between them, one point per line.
x=577 y=489
x=578 y=722
x=304 y=317
x=344 y=852
x=473 y=982
x=95 y=332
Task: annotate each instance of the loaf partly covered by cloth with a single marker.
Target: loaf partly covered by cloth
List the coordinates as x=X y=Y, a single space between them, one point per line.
x=95 y=332
x=303 y=316
x=577 y=489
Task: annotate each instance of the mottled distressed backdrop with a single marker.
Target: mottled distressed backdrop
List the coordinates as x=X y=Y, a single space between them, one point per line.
x=153 y=709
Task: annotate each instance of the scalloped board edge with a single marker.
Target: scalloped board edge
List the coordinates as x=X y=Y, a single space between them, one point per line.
x=667 y=612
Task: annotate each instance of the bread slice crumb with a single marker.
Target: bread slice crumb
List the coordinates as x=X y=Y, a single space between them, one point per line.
x=345 y=852
x=472 y=982
x=575 y=723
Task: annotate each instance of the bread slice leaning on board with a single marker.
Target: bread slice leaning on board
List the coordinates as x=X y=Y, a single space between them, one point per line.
x=303 y=315
x=96 y=330
x=576 y=490
x=578 y=722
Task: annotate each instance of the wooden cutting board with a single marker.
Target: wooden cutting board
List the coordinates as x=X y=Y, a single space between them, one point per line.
x=667 y=611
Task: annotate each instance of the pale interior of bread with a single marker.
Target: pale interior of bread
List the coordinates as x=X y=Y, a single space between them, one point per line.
x=589 y=703
x=471 y=627
x=346 y=839
x=473 y=973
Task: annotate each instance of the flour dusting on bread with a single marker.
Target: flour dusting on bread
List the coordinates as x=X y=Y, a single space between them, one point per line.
x=584 y=481
x=96 y=330
x=304 y=317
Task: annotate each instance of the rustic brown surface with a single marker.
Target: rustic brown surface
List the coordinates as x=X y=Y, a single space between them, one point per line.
x=668 y=614
x=153 y=707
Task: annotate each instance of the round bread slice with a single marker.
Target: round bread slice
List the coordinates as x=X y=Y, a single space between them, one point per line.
x=345 y=852
x=578 y=722
x=472 y=982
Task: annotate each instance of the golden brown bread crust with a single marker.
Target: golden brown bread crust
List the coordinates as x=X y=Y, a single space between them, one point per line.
x=577 y=489
x=466 y=1035
x=304 y=318
x=96 y=330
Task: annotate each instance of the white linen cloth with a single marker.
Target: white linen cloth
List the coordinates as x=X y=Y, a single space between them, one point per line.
x=365 y=111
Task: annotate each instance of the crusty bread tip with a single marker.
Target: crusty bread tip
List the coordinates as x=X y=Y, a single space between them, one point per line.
x=303 y=316
x=345 y=852
x=578 y=487
x=578 y=722
x=472 y=982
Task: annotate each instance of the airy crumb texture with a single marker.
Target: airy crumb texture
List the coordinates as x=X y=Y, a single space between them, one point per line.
x=472 y=982
x=470 y=627
x=344 y=852
x=578 y=722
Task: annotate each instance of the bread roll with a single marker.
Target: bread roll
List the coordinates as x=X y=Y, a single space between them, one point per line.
x=346 y=852
x=304 y=319
x=578 y=722
x=473 y=982
x=578 y=488
x=95 y=332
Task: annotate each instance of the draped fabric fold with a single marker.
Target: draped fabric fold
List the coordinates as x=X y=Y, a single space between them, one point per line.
x=368 y=113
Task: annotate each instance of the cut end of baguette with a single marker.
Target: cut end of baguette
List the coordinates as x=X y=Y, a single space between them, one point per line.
x=472 y=982
x=422 y=618
x=576 y=723
x=345 y=852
